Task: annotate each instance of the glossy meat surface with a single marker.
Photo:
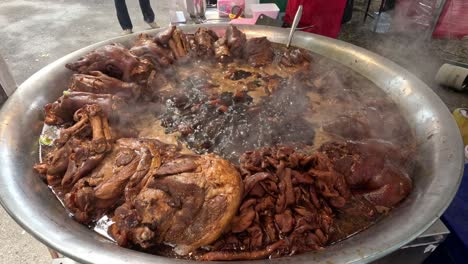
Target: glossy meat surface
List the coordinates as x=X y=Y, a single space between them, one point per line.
x=114 y=60
x=188 y=203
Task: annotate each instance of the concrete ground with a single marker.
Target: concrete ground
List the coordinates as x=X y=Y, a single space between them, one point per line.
x=413 y=50
x=36 y=32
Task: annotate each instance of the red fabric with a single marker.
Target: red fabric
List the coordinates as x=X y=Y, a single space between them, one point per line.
x=453 y=21
x=325 y=15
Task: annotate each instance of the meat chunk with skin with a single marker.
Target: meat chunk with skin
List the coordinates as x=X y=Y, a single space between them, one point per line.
x=222 y=52
x=187 y=203
x=374 y=169
x=235 y=41
x=205 y=39
x=118 y=178
x=163 y=37
x=114 y=60
x=293 y=57
x=61 y=111
x=178 y=44
x=76 y=154
x=135 y=161
x=100 y=83
x=258 y=51
x=146 y=48
x=159 y=84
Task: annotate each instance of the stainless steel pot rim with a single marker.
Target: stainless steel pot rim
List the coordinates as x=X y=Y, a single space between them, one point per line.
x=48 y=222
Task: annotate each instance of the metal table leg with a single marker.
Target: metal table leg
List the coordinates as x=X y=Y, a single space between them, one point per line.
x=366 y=13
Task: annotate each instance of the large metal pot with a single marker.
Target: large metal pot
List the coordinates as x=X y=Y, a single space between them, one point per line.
x=35 y=208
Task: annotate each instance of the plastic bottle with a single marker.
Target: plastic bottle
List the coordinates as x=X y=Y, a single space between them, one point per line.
x=453 y=76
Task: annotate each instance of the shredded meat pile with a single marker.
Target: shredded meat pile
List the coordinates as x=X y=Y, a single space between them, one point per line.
x=288 y=205
x=292 y=199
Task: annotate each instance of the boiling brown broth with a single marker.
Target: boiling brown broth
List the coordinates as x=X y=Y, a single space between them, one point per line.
x=303 y=114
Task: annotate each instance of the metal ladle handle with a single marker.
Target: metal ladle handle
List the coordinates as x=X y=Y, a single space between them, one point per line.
x=296 y=20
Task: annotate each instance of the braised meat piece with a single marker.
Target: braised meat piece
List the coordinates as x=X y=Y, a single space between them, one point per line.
x=146 y=48
x=100 y=83
x=114 y=60
x=118 y=178
x=163 y=37
x=222 y=52
x=235 y=41
x=293 y=57
x=187 y=203
x=258 y=51
x=377 y=170
x=179 y=44
x=287 y=208
x=205 y=39
x=62 y=110
x=79 y=148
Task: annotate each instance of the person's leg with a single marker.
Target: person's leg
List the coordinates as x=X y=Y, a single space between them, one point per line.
x=122 y=14
x=148 y=14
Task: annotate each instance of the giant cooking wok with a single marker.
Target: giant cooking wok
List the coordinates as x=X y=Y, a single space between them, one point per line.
x=440 y=155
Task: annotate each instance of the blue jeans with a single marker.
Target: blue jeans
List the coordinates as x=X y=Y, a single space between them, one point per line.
x=124 y=17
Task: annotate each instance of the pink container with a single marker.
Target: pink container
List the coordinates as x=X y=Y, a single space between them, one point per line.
x=270 y=10
x=225 y=6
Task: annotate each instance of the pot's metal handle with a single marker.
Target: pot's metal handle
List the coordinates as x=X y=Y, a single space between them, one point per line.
x=296 y=20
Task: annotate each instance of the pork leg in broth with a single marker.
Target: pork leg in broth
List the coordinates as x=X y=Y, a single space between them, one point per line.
x=62 y=110
x=114 y=60
x=100 y=83
x=188 y=203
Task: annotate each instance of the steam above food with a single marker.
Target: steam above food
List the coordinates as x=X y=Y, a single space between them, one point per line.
x=215 y=146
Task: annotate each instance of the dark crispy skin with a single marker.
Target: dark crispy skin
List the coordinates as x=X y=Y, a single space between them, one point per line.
x=114 y=60
x=100 y=83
